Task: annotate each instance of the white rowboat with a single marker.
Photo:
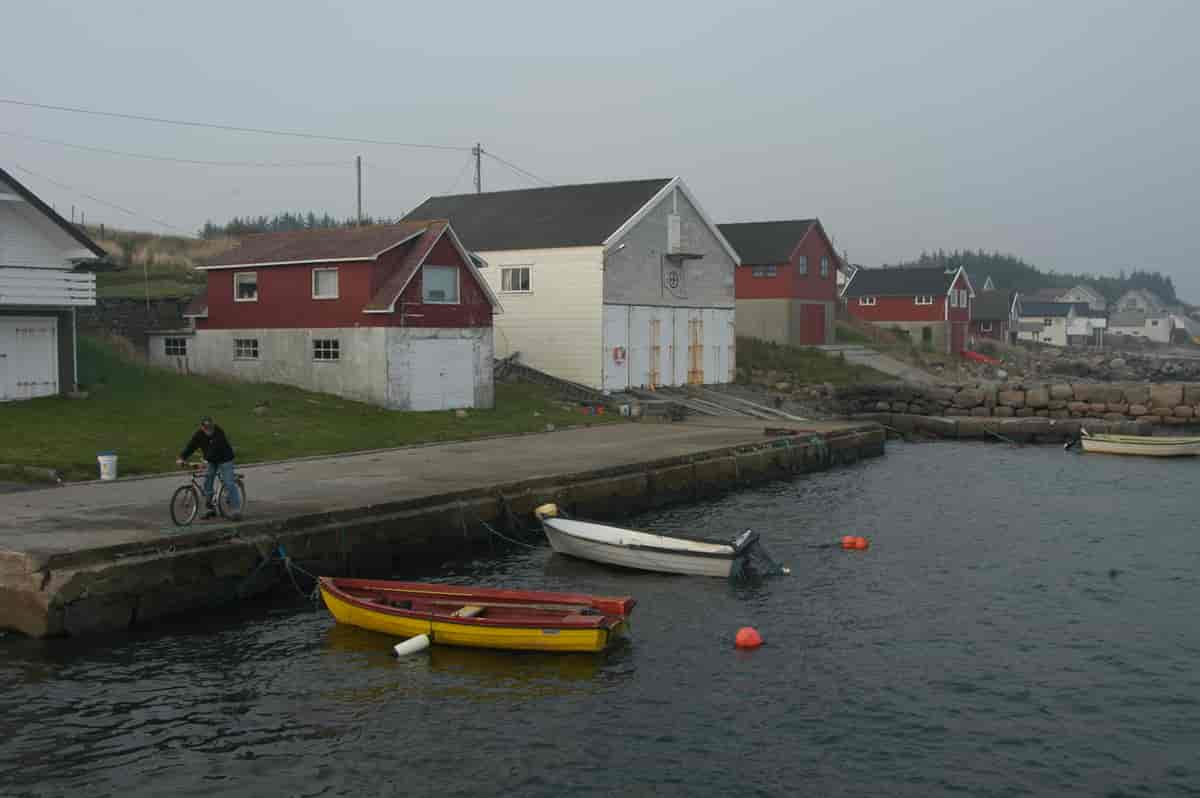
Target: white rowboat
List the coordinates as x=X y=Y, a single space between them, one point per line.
x=644 y=551
x=1145 y=445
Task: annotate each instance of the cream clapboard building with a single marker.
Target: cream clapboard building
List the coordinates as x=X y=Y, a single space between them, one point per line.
x=612 y=285
x=41 y=284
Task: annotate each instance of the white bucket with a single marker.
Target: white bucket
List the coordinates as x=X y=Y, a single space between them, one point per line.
x=108 y=465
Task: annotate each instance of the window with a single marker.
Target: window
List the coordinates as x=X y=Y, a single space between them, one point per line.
x=245 y=349
x=325 y=284
x=175 y=347
x=245 y=287
x=962 y=298
x=1047 y=322
x=440 y=285
x=764 y=271
x=1154 y=322
x=985 y=326
x=866 y=300
x=515 y=279
x=923 y=300
x=953 y=299
x=824 y=265
x=326 y=349
x=803 y=264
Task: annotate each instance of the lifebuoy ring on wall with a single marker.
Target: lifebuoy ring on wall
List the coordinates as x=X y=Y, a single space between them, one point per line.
x=619 y=355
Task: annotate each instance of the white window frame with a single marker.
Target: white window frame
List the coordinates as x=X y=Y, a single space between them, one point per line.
x=326 y=350
x=336 y=283
x=764 y=271
x=505 y=271
x=923 y=299
x=985 y=326
x=175 y=342
x=245 y=349
x=867 y=300
x=802 y=265
x=237 y=278
x=457 y=286
x=824 y=265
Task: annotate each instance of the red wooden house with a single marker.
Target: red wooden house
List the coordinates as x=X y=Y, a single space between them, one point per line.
x=786 y=281
x=932 y=304
x=395 y=314
x=995 y=314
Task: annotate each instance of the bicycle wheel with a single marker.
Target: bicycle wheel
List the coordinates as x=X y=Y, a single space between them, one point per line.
x=185 y=503
x=223 y=499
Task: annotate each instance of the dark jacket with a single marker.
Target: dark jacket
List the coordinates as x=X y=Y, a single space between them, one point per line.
x=216 y=449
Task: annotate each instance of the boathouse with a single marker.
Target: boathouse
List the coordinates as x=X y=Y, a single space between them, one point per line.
x=786 y=281
x=397 y=315
x=44 y=277
x=612 y=285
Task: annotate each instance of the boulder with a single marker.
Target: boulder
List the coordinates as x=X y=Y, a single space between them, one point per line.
x=1151 y=420
x=1097 y=408
x=1059 y=414
x=1057 y=404
x=1168 y=395
x=1037 y=397
x=1191 y=394
x=1176 y=421
x=1062 y=391
x=1118 y=407
x=899 y=407
x=1138 y=410
x=978 y=412
x=1012 y=399
x=1114 y=394
x=1003 y=411
x=1158 y=410
x=1117 y=363
x=1184 y=411
x=940 y=393
x=957 y=411
x=882 y=407
x=1114 y=417
x=1025 y=412
x=968 y=397
x=1077 y=407
x=1085 y=392
x=1137 y=394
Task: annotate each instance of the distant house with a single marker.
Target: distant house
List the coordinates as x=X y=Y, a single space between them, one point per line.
x=43 y=258
x=931 y=303
x=1142 y=314
x=612 y=285
x=995 y=314
x=397 y=315
x=1086 y=294
x=786 y=283
x=1060 y=323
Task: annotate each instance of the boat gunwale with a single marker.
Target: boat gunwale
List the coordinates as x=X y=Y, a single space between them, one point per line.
x=730 y=554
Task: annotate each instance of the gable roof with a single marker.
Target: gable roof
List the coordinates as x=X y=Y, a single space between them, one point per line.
x=992 y=306
x=1034 y=308
x=317 y=246
x=392 y=289
x=579 y=215
x=766 y=243
x=901 y=281
x=53 y=215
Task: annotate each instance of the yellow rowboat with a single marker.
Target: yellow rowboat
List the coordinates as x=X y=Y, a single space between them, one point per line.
x=454 y=615
x=1145 y=445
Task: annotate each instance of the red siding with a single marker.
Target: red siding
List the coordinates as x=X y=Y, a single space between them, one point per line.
x=964 y=313
x=285 y=297
x=999 y=329
x=897 y=308
x=789 y=283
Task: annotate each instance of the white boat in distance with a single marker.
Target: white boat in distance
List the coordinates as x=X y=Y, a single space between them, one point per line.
x=1145 y=445
x=644 y=551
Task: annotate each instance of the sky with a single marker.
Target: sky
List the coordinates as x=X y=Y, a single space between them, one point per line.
x=1064 y=132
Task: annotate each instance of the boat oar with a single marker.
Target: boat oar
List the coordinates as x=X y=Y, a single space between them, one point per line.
x=411 y=646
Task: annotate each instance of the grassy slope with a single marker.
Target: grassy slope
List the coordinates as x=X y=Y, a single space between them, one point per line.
x=802 y=365
x=146 y=415
x=164 y=264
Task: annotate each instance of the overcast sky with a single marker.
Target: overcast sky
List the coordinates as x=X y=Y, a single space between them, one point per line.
x=1063 y=132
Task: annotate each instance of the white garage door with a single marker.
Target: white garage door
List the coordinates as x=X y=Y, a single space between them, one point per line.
x=443 y=373
x=28 y=357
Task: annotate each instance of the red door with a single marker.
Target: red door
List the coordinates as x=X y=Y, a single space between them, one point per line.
x=958 y=337
x=812 y=324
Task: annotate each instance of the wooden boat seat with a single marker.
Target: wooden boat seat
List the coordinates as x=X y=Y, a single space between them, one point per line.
x=469 y=611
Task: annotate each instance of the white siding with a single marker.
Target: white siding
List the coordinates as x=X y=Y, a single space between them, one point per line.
x=28 y=357
x=556 y=325
x=1055 y=334
x=694 y=345
x=440 y=369
x=46 y=287
x=27 y=238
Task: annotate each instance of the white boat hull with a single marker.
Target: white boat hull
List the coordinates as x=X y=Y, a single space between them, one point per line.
x=638 y=550
x=1151 y=447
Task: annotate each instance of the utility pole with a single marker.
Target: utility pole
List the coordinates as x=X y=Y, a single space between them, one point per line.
x=477 y=151
x=358 y=180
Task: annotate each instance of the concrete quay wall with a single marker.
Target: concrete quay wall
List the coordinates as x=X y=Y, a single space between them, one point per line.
x=93 y=590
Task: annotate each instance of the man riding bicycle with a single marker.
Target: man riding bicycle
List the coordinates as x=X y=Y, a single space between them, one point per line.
x=211 y=441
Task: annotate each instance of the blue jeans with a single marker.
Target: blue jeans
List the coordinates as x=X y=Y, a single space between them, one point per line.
x=226 y=471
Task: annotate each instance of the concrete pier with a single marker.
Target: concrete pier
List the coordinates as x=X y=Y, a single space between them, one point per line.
x=98 y=556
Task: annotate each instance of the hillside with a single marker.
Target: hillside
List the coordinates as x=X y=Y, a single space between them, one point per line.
x=1010 y=273
x=162 y=264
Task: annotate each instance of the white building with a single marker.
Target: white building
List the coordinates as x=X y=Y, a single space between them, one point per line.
x=1046 y=322
x=41 y=284
x=613 y=285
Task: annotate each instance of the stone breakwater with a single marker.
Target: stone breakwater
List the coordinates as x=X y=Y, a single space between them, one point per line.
x=1173 y=404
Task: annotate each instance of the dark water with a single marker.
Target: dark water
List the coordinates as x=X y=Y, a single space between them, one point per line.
x=1027 y=622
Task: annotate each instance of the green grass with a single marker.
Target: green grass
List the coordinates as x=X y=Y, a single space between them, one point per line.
x=802 y=365
x=146 y=415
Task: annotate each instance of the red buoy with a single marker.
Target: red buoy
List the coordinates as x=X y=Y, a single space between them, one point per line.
x=847 y=541
x=861 y=543
x=748 y=637
x=855 y=542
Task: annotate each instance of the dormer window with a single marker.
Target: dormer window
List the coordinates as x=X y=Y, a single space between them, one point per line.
x=439 y=285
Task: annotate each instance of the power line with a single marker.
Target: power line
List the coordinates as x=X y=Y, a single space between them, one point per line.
x=170 y=159
x=466 y=165
x=232 y=128
x=516 y=168
x=94 y=198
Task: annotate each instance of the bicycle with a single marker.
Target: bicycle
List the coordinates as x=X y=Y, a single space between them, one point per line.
x=188 y=499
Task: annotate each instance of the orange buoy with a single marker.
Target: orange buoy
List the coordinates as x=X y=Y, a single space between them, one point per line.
x=861 y=543
x=848 y=541
x=748 y=637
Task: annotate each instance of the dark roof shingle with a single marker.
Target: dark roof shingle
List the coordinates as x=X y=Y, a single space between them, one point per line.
x=1050 y=309
x=907 y=281
x=541 y=218
x=991 y=305
x=327 y=244
x=766 y=243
